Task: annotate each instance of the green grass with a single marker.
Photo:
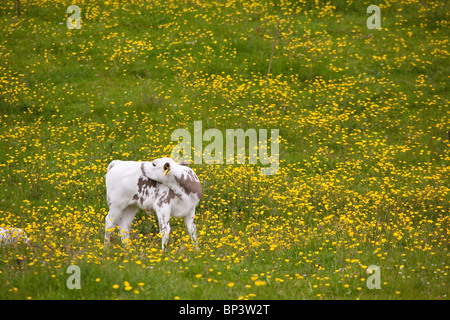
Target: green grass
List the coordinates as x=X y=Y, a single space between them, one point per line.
x=364 y=150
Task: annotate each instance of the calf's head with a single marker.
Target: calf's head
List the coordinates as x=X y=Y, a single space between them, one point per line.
x=167 y=171
x=160 y=170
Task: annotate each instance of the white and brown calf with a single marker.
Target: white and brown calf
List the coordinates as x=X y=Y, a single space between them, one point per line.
x=170 y=189
x=10 y=236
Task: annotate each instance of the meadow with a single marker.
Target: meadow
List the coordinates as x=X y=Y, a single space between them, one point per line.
x=363 y=119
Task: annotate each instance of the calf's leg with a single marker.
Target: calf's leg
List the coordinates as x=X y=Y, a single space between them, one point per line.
x=164 y=226
x=127 y=218
x=192 y=230
x=122 y=217
x=111 y=221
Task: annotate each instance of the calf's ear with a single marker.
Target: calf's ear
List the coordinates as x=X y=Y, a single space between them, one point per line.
x=166 y=168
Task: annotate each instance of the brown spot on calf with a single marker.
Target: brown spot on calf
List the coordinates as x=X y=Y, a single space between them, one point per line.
x=190 y=184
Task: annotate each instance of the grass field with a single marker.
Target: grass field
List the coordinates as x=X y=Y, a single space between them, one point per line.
x=363 y=118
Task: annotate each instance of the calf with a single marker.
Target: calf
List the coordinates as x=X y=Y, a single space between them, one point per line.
x=10 y=236
x=170 y=189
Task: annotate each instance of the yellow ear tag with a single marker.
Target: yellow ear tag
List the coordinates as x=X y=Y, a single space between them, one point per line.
x=166 y=171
